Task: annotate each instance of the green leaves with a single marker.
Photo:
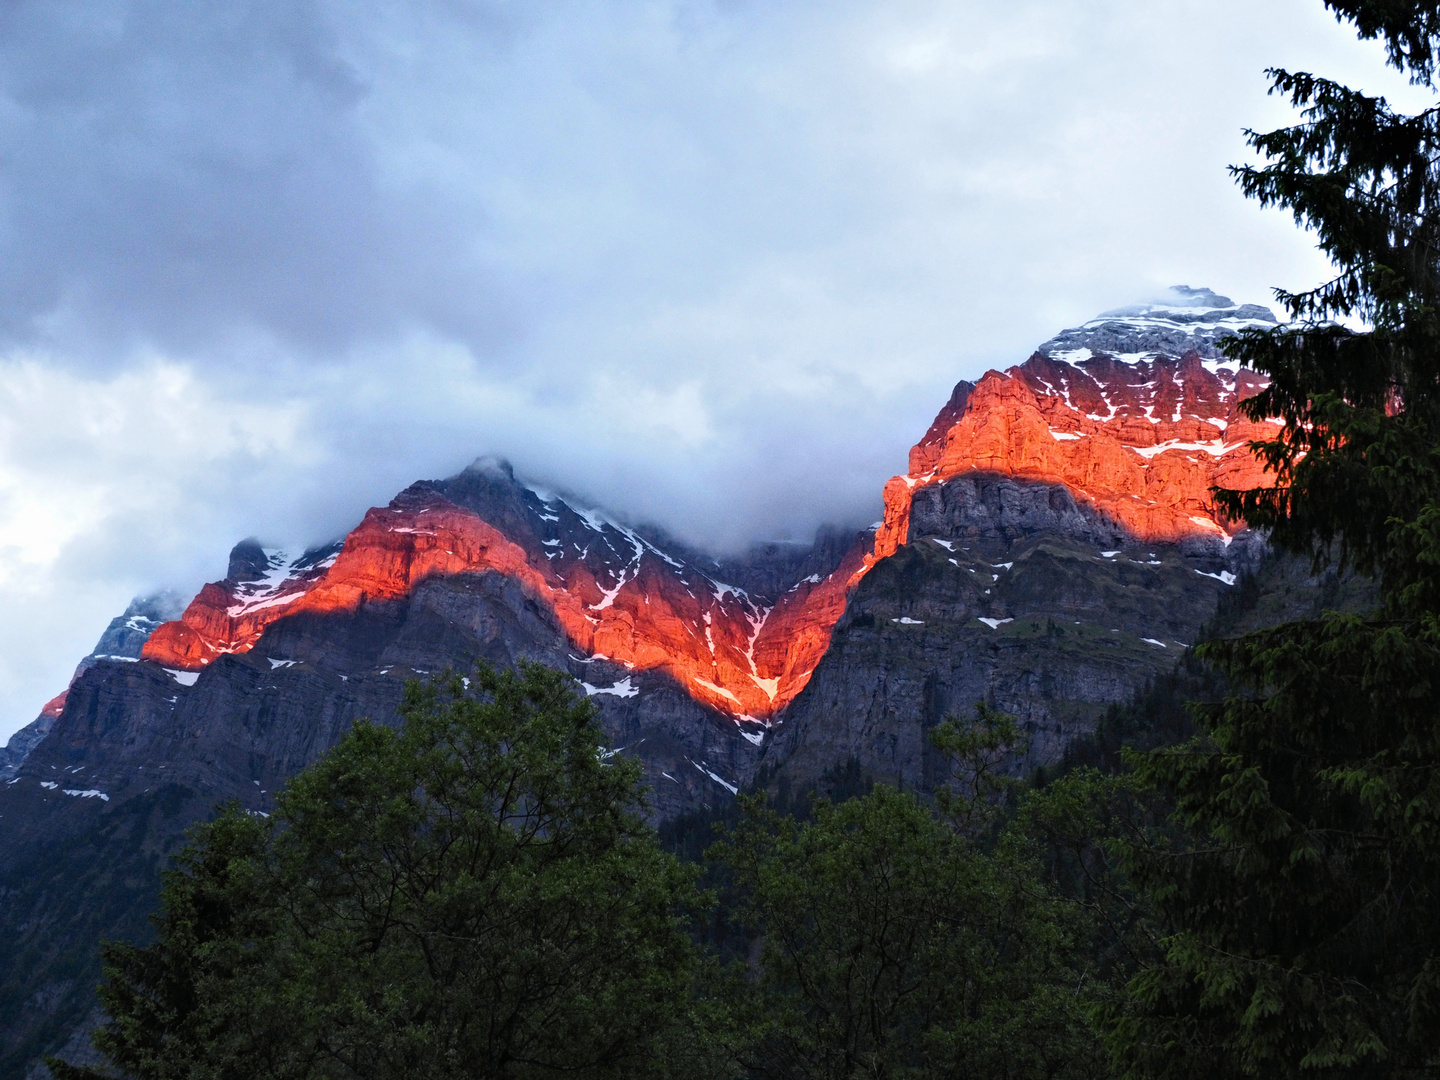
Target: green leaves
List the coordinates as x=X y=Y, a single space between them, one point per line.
x=978 y=750
x=474 y=893
x=890 y=947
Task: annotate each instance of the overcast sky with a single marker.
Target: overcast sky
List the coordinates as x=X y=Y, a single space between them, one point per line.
x=714 y=263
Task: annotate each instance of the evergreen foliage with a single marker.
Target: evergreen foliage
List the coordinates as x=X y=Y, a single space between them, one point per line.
x=1300 y=910
x=474 y=894
x=979 y=749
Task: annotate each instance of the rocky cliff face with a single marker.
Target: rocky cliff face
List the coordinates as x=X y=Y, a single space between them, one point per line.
x=1138 y=436
x=619 y=596
x=1050 y=548
x=1137 y=439
x=122 y=641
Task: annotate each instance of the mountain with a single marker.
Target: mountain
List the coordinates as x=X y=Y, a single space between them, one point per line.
x=122 y=641
x=1051 y=549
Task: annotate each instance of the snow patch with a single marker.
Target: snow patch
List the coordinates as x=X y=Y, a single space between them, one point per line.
x=770 y=686
x=994 y=623
x=1152 y=641
x=610 y=594
x=905 y=620
x=88 y=793
x=280 y=663
x=622 y=689
x=1215 y=448
x=1224 y=576
x=274 y=601
x=284 y=581
x=717 y=689
x=722 y=590
x=184 y=678
x=734 y=789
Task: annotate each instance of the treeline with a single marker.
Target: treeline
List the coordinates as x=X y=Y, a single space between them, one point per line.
x=476 y=893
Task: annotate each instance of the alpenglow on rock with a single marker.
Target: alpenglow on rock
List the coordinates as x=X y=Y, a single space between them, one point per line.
x=1127 y=413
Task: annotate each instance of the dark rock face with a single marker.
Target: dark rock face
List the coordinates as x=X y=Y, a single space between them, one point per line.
x=248 y=562
x=122 y=640
x=248 y=721
x=14 y=752
x=990 y=508
x=127 y=633
x=1007 y=593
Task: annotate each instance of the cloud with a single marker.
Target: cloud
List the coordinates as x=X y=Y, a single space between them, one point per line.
x=98 y=484
x=714 y=262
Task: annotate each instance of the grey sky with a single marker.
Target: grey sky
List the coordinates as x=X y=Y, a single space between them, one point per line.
x=714 y=263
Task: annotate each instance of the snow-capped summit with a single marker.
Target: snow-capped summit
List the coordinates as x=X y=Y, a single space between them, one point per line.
x=1181 y=321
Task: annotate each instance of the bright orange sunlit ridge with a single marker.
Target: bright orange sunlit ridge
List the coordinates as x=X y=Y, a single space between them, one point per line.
x=1141 y=444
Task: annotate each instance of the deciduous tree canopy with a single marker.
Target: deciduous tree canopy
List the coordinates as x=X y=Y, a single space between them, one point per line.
x=473 y=894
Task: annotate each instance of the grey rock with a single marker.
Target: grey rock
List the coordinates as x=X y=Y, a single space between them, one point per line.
x=1080 y=618
x=122 y=640
x=1188 y=320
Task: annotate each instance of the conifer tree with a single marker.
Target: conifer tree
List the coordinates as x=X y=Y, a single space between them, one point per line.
x=1302 y=914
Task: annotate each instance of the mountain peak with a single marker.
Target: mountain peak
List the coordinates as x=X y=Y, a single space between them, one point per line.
x=1179 y=321
x=497 y=468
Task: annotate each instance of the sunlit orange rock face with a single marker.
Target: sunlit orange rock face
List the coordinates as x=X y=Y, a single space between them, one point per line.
x=647 y=612
x=229 y=616
x=1140 y=442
